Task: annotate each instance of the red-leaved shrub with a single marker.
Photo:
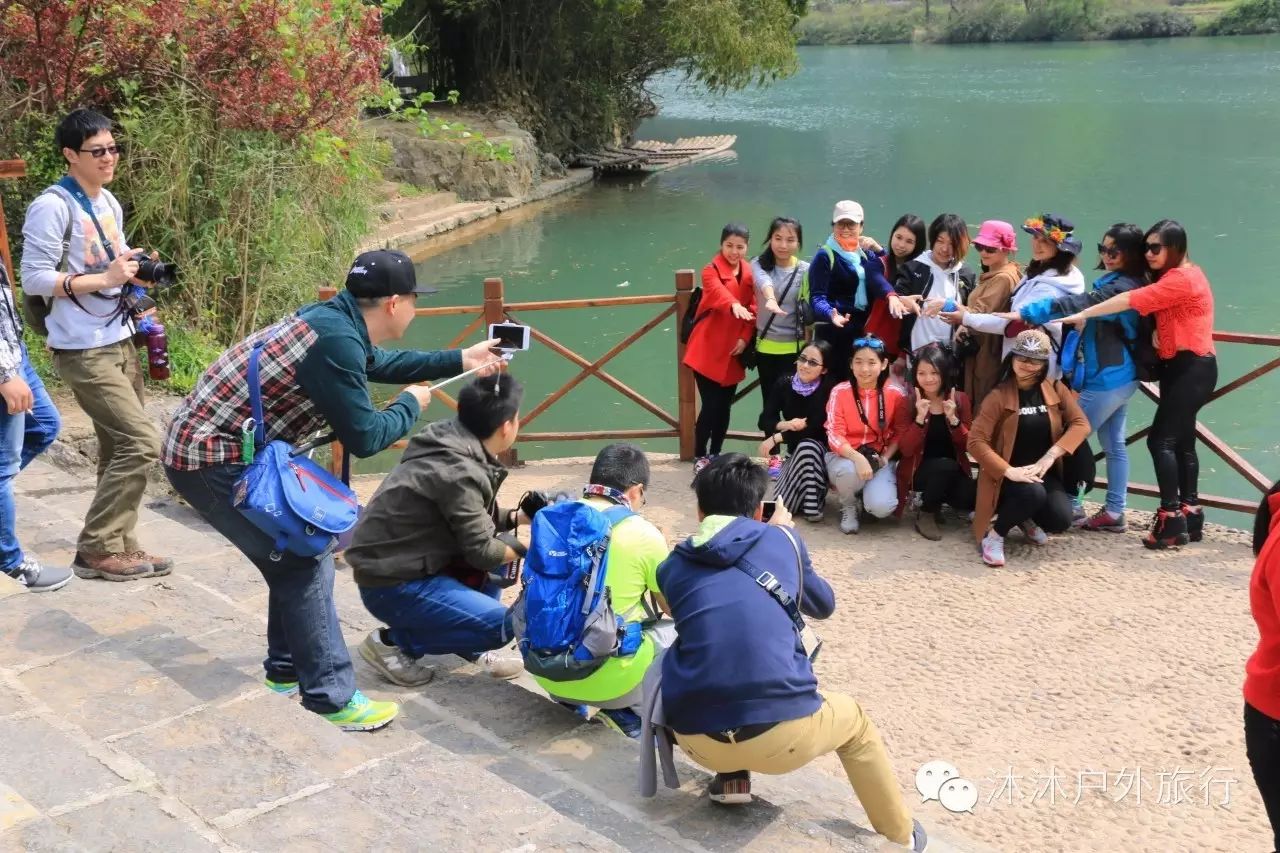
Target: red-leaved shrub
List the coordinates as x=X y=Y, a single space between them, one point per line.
x=285 y=66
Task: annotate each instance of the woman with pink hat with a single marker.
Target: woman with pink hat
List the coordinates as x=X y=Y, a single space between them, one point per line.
x=995 y=242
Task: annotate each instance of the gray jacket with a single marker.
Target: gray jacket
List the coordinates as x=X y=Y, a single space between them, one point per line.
x=437 y=509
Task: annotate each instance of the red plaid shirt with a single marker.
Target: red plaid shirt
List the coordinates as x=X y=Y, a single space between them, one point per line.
x=206 y=429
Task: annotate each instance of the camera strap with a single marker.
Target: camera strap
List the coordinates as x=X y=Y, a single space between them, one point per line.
x=862 y=413
x=71 y=188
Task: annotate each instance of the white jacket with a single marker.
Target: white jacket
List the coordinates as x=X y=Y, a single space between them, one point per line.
x=1049 y=284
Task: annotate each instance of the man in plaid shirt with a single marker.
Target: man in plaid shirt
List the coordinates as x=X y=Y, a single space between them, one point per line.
x=314 y=370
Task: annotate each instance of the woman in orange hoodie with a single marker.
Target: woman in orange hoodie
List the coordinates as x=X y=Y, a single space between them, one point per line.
x=1262 y=672
x=722 y=328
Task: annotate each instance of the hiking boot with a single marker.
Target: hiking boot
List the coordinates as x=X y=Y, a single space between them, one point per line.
x=501 y=666
x=1168 y=530
x=111 y=567
x=775 y=467
x=393 y=664
x=993 y=548
x=362 y=714
x=919 y=838
x=1194 y=517
x=622 y=720
x=1078 y=515
x=927 y=525
x=162 y=565
x=1034 y=532
x=282 y=688
x=730 y=789
x=38 y=578
x=1106 y=522
x=849 y=522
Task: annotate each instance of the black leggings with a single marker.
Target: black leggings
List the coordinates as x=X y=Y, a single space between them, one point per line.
x=941 y=480
x=713 y=415
x=1186 y=381
x=772 y=368
x=1262 y=746
x=1045 y=503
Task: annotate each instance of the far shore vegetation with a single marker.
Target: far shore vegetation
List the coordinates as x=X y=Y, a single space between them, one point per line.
x=986 y=21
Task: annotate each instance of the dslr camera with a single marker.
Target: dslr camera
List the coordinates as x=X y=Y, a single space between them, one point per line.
x=160 y=274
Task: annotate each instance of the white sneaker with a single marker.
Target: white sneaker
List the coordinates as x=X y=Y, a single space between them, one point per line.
x=393 y=664
x=993 y=549
x=849 y=517
x=500 y=665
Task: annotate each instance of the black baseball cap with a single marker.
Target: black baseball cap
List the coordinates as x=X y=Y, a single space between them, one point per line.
x=383 y=272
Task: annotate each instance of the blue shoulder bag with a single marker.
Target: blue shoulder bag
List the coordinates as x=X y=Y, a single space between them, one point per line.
x=301 y=506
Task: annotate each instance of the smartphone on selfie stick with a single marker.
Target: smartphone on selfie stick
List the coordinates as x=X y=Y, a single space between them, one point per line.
x=512 y=337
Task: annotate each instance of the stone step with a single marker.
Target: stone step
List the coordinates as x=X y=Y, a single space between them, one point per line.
x=133 y=716
x=408 y=232
x=404 y=208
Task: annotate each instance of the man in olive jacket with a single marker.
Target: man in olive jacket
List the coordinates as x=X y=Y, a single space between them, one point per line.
x=428 y=548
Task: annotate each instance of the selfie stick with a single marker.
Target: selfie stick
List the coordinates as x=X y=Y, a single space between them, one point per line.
x=330 y=438
x=506 y=356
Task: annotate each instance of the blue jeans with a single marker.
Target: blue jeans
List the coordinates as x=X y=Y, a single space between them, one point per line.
x=23 y=437
x=440 y=615
x=304 y=639
x=1106 y=412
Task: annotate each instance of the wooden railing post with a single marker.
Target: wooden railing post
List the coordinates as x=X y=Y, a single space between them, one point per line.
x=687 y=402
x=10 y=169
x=495 y=311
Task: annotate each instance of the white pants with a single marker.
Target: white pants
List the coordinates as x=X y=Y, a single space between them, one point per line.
x=879 y=494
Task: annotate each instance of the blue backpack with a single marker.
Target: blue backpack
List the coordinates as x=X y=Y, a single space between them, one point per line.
x=564 y=617
x=1071 y=359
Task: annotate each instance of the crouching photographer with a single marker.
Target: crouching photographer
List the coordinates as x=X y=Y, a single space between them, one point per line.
x=76 y=274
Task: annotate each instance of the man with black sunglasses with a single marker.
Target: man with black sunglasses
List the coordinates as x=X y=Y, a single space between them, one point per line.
x=76 y=261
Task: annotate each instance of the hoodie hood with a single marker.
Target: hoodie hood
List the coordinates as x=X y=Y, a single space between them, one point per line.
x=1050 y=284
x=927 y=258
x=450 y=439
x=727 y=546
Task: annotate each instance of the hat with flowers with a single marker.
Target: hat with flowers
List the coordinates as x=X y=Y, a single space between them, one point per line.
x=1056 y=229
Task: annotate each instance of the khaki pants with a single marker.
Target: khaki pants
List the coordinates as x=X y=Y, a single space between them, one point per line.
x=839 y=726
x=107 y=383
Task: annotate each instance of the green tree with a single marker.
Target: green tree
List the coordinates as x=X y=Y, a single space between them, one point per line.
x=576 y=70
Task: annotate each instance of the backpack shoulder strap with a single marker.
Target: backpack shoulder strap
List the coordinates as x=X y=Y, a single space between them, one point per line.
x=64 y=261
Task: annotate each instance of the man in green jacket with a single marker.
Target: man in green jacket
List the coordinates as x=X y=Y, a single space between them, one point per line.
x=428 y=550
x=314 y=371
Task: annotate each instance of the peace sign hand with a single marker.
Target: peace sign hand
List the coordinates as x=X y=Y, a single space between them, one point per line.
x=949 y=405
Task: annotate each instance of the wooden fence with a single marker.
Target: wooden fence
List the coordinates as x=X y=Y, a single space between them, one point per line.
x=680 y=424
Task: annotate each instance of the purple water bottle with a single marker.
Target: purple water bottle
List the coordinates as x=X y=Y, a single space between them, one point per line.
x=157 y=350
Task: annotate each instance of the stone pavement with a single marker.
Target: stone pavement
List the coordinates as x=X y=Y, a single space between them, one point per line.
x=132 y=717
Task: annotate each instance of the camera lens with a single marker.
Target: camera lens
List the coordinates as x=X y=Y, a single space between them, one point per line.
x=159 y=273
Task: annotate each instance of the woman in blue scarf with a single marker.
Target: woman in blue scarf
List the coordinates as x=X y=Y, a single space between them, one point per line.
x=844 y=281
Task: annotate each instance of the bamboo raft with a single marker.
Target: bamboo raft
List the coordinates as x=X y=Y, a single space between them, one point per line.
x=651 y=155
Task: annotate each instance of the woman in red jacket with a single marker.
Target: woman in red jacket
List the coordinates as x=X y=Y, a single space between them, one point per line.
x=722 y=329
x=1262 y=672
x=933 y=432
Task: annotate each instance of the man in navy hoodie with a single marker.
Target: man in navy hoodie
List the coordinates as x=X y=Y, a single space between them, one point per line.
x=738 y=687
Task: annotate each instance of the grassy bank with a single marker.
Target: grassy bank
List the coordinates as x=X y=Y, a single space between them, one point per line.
x=985 y=21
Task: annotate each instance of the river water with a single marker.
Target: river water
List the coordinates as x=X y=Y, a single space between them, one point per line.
x=1100 y=132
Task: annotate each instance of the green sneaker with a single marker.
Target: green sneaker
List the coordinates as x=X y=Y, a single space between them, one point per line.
x=283 y=688
x=362 y=714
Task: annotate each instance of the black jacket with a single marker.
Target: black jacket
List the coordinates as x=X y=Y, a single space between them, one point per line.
x=784 y=404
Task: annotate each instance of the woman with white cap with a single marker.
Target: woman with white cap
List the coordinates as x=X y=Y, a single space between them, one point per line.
x=1025 y=428
x=844 y=281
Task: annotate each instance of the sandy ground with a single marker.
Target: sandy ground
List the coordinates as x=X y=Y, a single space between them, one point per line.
x=1090 y=688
